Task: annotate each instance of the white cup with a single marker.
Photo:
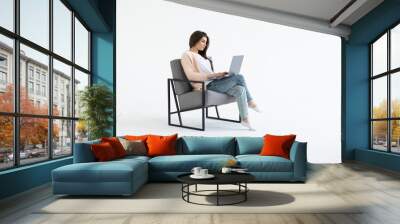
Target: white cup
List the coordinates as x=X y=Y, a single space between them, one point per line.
x=226 y=170
x=196 y=171
x=203 y=172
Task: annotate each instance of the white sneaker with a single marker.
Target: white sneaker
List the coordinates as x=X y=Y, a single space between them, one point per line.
x=256 y=109
x=247 y=125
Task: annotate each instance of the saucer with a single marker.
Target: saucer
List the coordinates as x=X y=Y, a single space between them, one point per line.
x=208 y=176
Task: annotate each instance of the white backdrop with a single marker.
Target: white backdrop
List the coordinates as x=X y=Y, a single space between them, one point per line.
x=293 y=74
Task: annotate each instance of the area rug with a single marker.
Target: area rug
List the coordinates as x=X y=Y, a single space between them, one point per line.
x=167 y=198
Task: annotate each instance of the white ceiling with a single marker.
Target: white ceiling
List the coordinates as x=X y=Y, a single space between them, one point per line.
x=315 y=15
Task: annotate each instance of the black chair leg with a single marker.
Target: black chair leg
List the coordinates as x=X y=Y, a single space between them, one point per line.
x=222 y=119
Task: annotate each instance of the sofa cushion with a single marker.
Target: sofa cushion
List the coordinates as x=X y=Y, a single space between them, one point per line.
x=197 y=145
x=134 y=147
x=116 y=145
x=103 y=152
x=185 y=163
x=277 y=145
x=111 y=171
x=257 y=163
x=249 y=145
x=159 y=145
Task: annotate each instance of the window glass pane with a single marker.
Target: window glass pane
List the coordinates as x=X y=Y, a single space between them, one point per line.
x=81 y=81
x=35 y=21
x=62 y=29
x=379 y=55
x=81 y=131
x=7 y=14
x=395 y=94
x=6 y=142
x=81 y=45
x=33 y=139
x=379 y=97
x=6 y=74
x=395 y=136
x=34 y=97
x=62 y=89
x=395 y=47
x=62 y=137
x=379 y=135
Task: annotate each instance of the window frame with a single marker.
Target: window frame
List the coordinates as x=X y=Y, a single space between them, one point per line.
x=16 y=114
x=388 y=74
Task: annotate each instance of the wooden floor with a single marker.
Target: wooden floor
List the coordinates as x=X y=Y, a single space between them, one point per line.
x=377 y=188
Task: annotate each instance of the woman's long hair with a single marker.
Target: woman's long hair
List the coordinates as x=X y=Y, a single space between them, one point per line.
x=196 y=37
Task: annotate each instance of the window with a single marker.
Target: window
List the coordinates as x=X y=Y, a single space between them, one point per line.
x=385 y=91
x=81 y=81
x=3 y=61
x=3 y=78
x=43 y=77
x=3 y=72
x=33 y=147
x=395 y=47
x=62 y=137
x=44 y=91
x=6 y=72
x=44 y=131
x=6 y=142
x=37 y=74
x=35 y=21
x=7 y=14
x=37 y=89
x=30 y=87
x=62 y=29
x=81 y=45
x=30 y=72
x=62 y=75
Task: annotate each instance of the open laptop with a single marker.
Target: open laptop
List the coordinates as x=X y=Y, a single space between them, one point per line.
x=236 y=64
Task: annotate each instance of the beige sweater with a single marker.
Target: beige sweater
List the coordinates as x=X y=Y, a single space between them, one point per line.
x=191 y=68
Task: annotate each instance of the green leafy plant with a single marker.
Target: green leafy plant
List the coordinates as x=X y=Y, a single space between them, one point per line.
x=96 y=102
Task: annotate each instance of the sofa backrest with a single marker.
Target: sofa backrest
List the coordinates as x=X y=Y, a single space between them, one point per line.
x=83 y=152
x=193 y=145
x=249 y=145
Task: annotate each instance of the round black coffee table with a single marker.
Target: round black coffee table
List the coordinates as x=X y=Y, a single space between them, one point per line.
x=238 y=179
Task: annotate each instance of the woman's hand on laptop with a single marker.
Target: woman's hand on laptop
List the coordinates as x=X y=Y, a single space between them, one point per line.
x=217 y=75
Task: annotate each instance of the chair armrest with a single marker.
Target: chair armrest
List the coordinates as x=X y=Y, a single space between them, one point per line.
x=298 y=155
x=183 y=80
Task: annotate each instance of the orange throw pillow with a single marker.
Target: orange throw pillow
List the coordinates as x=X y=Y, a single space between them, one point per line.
x=103 y=152
x=161 y=145
x=277 y=145
x=116 y=145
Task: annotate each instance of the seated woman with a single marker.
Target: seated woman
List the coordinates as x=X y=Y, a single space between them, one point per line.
x=199 y=67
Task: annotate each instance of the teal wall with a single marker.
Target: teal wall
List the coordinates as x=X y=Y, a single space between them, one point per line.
x=355 y=62
x=99 y=16
x=104 y=51
x=103 y=66
x=24 y=178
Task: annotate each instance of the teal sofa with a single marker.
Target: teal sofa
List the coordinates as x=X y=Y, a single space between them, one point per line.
x=125 y=176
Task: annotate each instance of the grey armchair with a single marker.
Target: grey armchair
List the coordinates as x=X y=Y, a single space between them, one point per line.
x=187 y=99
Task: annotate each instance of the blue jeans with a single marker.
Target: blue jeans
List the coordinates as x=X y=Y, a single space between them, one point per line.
x=233 y=85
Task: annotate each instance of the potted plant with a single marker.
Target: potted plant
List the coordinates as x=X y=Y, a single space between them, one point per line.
x=96 y=103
